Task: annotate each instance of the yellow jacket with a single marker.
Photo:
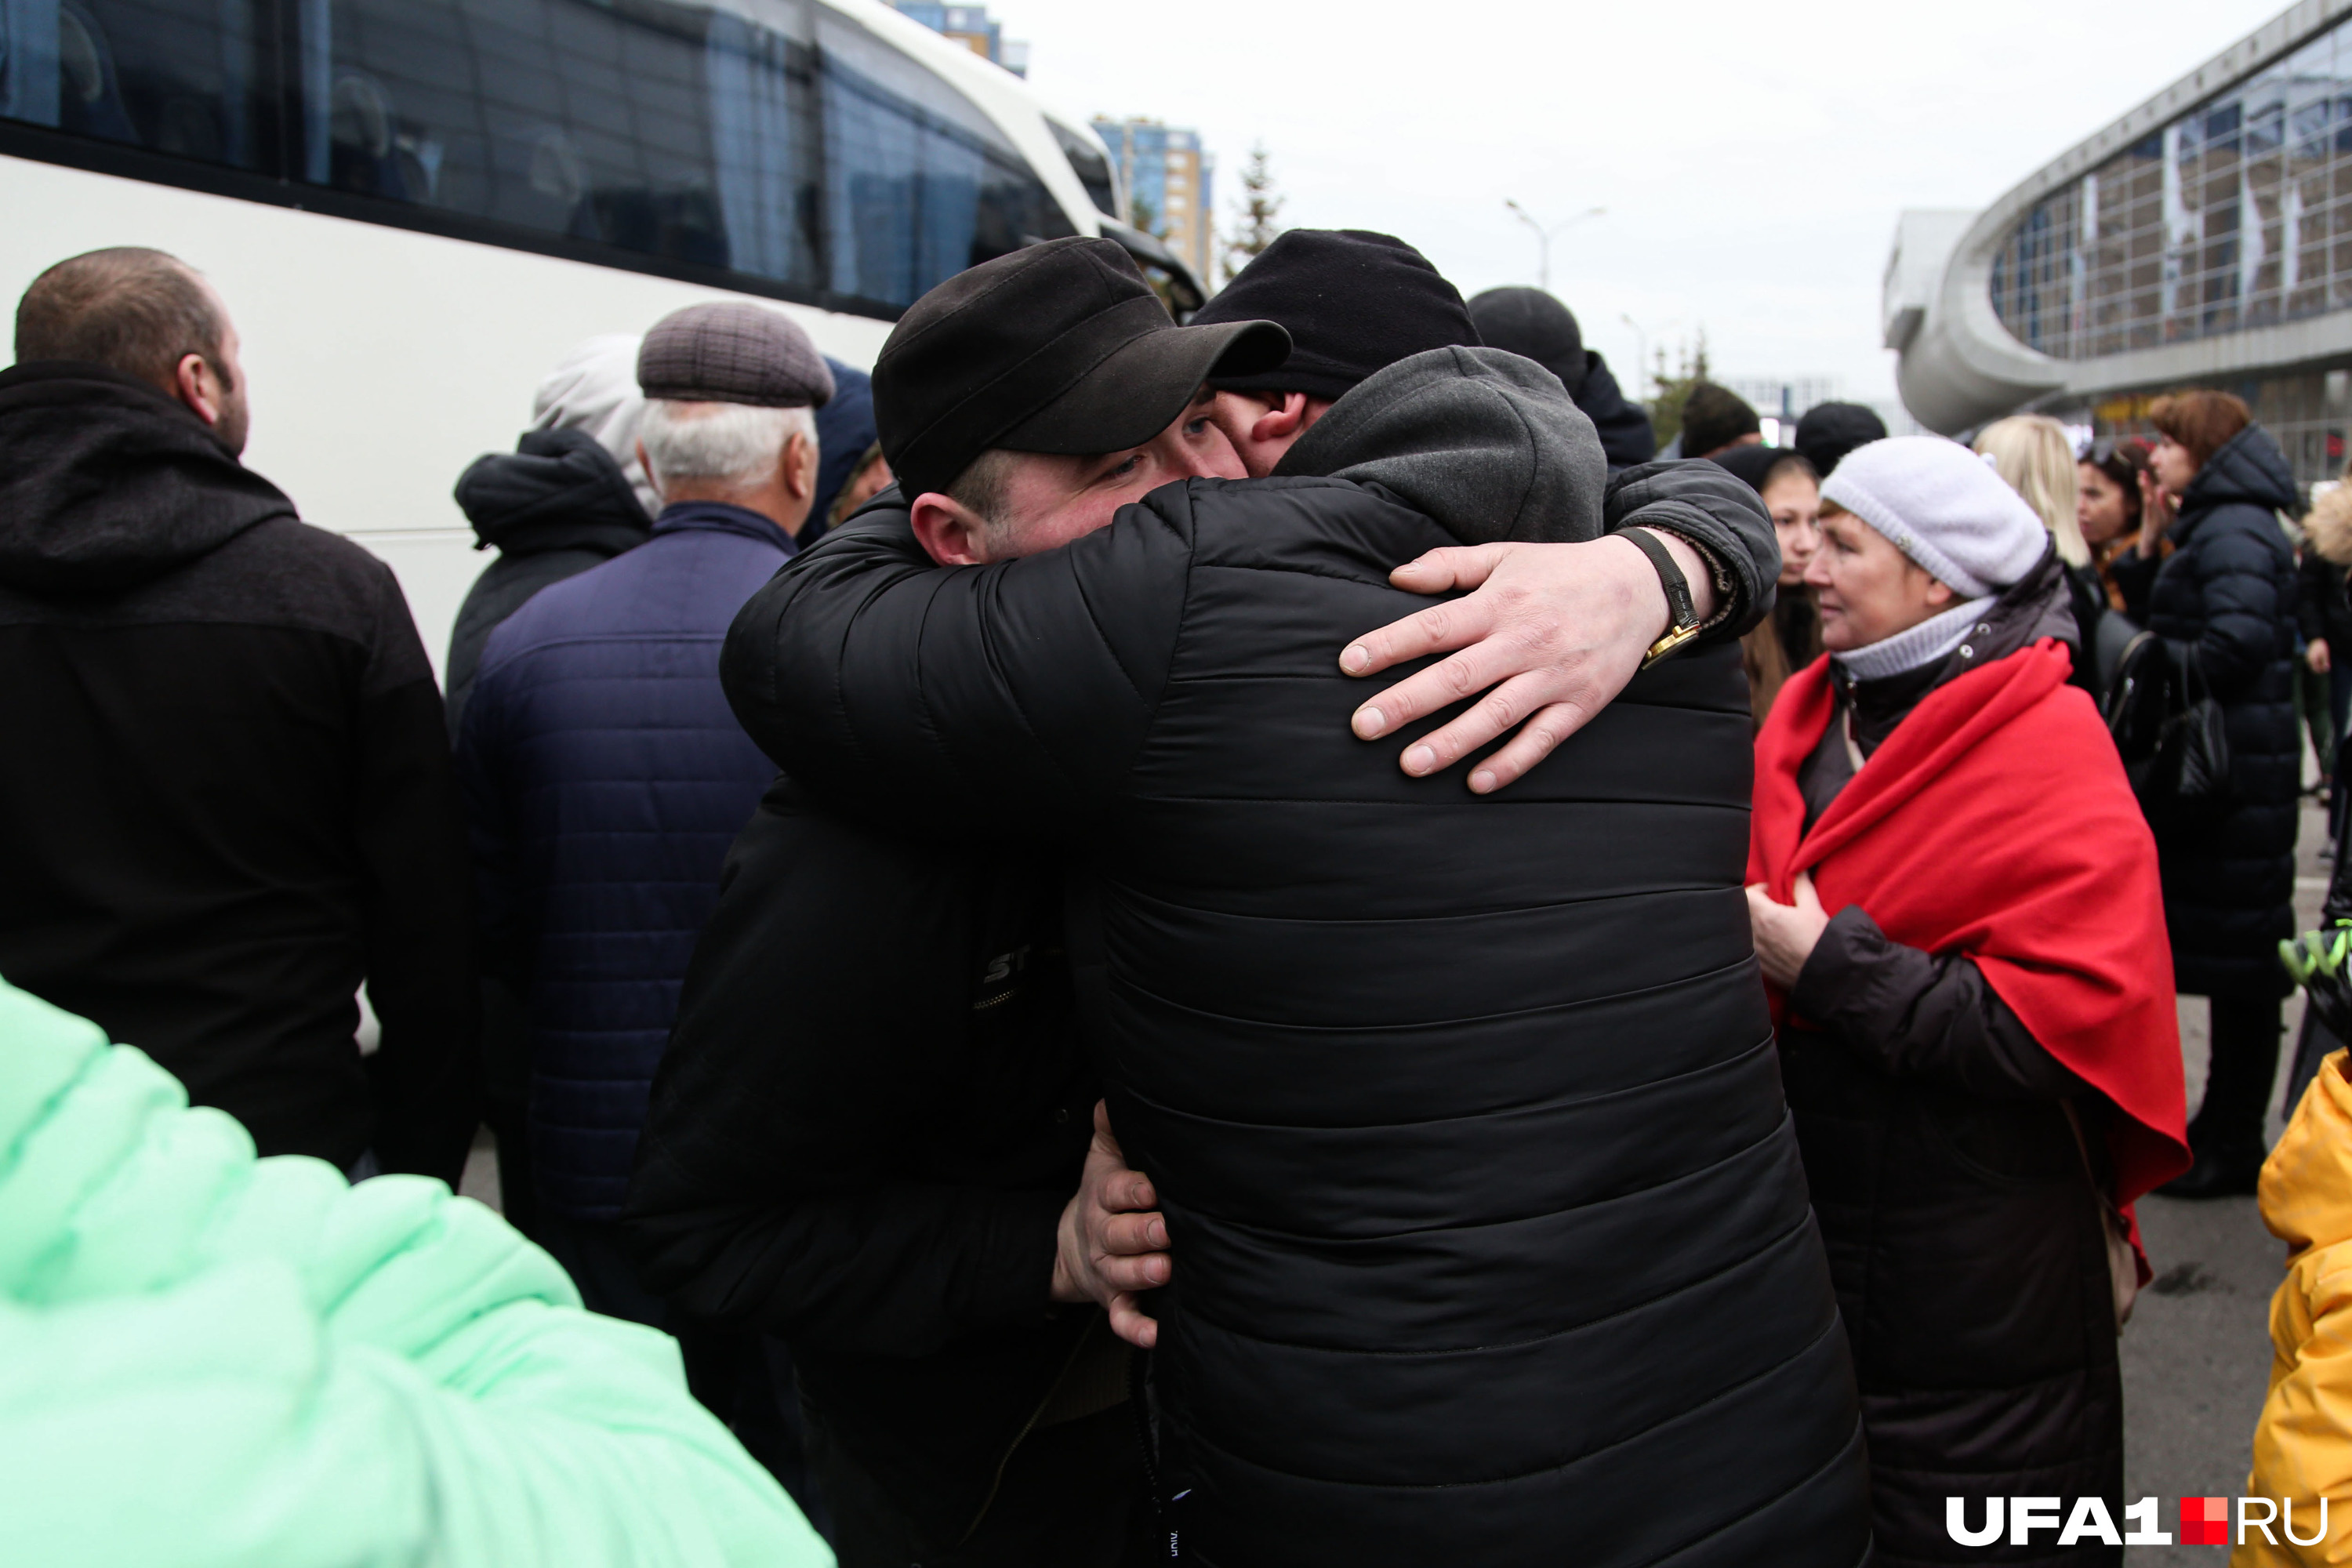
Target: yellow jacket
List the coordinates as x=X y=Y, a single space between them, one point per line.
x=2303 y=1445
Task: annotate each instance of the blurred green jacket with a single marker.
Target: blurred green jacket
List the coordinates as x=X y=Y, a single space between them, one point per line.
x=207 y=1358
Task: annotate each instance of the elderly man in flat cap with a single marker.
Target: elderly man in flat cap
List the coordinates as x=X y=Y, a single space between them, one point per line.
x=605 y=775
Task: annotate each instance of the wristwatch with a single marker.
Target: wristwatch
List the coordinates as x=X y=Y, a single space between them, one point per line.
x=1684 y=624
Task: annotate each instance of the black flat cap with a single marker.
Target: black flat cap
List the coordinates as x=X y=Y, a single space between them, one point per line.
x=1354 y=303
x=730 y=351
x=1061 y=347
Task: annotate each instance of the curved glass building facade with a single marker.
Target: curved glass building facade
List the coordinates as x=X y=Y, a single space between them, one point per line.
x=2237 y=214
x=2205 y=239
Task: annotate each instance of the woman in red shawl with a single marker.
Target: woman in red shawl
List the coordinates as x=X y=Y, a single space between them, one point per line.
x=1959 y=919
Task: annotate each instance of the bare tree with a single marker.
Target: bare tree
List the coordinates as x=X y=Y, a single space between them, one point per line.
x=1260 y=217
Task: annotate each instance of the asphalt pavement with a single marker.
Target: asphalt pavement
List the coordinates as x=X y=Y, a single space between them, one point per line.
x=2197 y=1353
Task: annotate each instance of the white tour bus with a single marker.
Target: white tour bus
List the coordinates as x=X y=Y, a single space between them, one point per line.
x=415 y=208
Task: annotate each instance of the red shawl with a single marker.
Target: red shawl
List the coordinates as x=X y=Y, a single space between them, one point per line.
x=1996 y=821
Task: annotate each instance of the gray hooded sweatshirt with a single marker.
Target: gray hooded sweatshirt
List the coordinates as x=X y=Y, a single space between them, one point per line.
x=1490 y=446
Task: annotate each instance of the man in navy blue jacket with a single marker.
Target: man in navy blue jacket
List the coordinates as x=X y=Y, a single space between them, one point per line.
x=606 y=776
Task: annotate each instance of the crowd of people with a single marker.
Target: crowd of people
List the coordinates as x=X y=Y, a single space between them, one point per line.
x=1002 y=1049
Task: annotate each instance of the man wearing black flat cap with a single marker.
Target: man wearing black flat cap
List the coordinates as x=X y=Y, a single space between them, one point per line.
x=1489 y=1238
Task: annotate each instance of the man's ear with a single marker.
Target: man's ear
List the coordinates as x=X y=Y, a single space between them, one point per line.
x=1282 y=418
x=645 y=466
x=194 y=383
x=800 y=467
x=950 y=533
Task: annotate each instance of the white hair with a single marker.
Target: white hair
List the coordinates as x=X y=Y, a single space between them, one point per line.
x=718 y=441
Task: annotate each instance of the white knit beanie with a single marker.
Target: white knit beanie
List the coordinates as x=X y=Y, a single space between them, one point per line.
x=1944 y=507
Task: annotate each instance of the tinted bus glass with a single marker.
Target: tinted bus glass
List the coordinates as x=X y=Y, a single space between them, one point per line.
x=797 y=147
x=919 y=185
x=177 y=76
x=566 y=117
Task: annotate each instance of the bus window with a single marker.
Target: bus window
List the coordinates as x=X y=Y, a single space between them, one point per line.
x=919 y=184
x=563 y=116
x=778 y=141
x=177 y=76
x=766 y=139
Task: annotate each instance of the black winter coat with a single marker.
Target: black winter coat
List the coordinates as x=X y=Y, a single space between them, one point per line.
x=2228 y=590
x=556 y=505
x=872 y=1111
x=1492 y=1242
x=225 y=800
x=1967 y=1244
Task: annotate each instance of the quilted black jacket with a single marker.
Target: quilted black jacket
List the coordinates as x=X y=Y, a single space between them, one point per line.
x=2228 y=588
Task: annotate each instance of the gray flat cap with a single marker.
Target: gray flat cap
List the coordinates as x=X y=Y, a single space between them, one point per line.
x=730 y=351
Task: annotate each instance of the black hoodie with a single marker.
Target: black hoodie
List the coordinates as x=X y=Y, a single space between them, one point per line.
x=556 y=505
x=228 y=799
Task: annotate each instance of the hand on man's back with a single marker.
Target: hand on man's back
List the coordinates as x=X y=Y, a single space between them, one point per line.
x=1551 y=635
x=1113 y=1242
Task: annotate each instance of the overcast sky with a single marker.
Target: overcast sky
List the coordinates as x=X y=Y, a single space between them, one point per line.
x=1751 y=172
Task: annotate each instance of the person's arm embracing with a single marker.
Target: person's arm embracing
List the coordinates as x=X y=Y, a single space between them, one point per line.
x=959 y=701
x=416 y=907
x=1554 y=632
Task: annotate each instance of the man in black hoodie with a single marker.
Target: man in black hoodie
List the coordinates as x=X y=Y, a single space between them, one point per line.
x=228 y=799
x=1490 y=1236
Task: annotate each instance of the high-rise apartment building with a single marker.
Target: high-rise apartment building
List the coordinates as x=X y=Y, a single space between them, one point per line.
x=974 y=28
x=1169 y=181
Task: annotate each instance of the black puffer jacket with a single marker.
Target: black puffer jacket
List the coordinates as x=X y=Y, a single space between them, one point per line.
x=1492 y=1242
x=556 y=505
x=2228 y=589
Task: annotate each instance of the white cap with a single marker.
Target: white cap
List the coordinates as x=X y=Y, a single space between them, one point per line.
x=1944 y=507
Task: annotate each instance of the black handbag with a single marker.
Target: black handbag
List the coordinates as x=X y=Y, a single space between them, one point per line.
x=2170 y=732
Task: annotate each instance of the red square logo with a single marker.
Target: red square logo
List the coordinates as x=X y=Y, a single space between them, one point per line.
x=2205 y=1522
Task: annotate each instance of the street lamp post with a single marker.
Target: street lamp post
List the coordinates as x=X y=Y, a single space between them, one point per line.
x=1641 y=337
x=1543 y=236
x=1640 y=349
